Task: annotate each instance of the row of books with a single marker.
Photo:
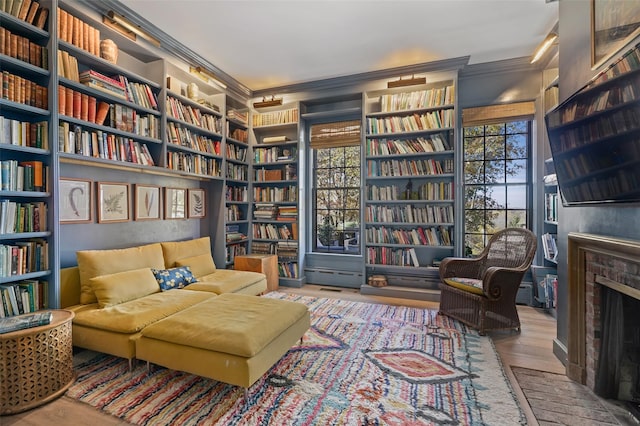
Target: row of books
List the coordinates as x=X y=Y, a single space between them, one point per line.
x=68 y=66
x=273 y=154
x=433 y=143
x=628 y=62
x=411 y=123
x=418 y=99
x=409 y=214
x=233 y=250
x=178 y=110
x=29 y=11
x=265 y=211
x=193 y=163
x=549 y=246
x=287 y=213
x=275 y=117
x=288 y=269
x=17 y=217
x=274 y=195
x=409 y=168
x=99 y=144
x=103 y=83
x=25 y=321
x=75 y=31
x=233 y=213
x=241 y=116
x=178 y=134
x=238 y=134
x=22 y=133
x=430 y=191
x=23 y=91
x=269 y=231
x=617 y=184
x=23 y=49
x=288 y=173
x=21 y=298
x=236 y=193
x=23 y=176
x=605 y=125
x=235 y=152
x=23 y=257
x=237 y=171
x=583 y=163
x=392 y=256
x=426 y=236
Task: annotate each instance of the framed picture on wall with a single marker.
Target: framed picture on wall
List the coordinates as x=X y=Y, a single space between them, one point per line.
x=196 y=203
x=75 y=200
x=113 y=202
x=613 y=24
x=147 y=202
x=175 y=203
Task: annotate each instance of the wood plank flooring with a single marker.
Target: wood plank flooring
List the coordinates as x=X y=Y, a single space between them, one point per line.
x=532 y=348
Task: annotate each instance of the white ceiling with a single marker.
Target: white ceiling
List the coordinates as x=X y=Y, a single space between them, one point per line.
x=268 y=43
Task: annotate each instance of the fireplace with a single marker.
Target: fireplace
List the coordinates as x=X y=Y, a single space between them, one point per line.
x=604 y=325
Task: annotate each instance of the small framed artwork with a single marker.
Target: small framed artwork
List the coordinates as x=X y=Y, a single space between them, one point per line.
x=113 y=202
x=196 y=203
x=147 y=202
x=75 y=200
x=175 y=203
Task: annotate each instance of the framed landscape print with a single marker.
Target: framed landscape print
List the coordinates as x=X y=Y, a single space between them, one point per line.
x=196 y=203
x=175 y=203
x=75 y=200
x=113 y=202
x=613 y=24
x=147 y=202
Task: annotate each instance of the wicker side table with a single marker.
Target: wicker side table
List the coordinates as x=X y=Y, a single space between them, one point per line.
x=36 y=364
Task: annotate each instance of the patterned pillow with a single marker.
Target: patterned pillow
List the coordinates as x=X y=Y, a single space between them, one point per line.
x=169 y=279
x=467 y=284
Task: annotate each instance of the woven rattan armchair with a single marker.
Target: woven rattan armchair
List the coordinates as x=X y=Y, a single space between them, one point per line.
x=481 y=292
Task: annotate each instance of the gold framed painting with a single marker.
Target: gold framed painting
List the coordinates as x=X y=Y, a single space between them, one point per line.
x=613 y=24
x=113 y=202
x=147 y=202
x=75 y=200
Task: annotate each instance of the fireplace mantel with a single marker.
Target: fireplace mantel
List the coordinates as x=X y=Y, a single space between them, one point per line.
x=625 y=261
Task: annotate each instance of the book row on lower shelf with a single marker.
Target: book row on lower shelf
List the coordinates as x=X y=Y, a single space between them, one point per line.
x=23 y=257
x=23 y=297
x=234 y=250
x=409 y=214
x=421 y=145
x=275 y=195
x=18 y=217
x=549 y=246
x=411 y=123
x=426 y=236
x=23 y=175
x=181 y=136
x=23 y=91
x=236 y=193
x=430 y=191
x=22 y=48
x=194 y=163
x=271 y=231
x=388 y=256
x=409 y=168
x=22 y=133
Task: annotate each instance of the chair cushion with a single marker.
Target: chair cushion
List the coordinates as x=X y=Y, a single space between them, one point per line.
x=113 y=289
x=200 y=265
x=169 y=279
x=471 y=285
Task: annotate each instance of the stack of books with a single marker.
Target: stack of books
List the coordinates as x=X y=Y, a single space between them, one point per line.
x=265 y=211
x=103 y=83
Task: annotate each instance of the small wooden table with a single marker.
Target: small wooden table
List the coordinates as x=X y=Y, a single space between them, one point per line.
x=37 y=364
x=264 y=263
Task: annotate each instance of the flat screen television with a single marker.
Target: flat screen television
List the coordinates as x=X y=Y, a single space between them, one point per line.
x=595 y=137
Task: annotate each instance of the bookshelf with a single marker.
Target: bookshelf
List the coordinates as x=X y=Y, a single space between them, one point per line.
x=409 y=181
x=237 y=157
x=274 y=177
x=26 y=216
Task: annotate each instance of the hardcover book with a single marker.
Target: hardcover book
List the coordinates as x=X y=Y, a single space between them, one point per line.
x=21 y=322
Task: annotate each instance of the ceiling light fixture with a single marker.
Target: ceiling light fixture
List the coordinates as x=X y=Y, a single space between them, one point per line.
x=268 y=103
x=412 y=81
x=207 y=76
x=119 y=23
x=543 y=47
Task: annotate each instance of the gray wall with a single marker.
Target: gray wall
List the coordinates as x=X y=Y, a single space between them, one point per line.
x=619 y=221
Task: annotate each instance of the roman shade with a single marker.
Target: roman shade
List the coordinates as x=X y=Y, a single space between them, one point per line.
x=335 y=134
x=492 y=114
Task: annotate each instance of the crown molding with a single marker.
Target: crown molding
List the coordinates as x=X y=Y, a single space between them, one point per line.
x=505 y=66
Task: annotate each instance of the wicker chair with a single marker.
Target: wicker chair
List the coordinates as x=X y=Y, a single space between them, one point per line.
x=481 y=292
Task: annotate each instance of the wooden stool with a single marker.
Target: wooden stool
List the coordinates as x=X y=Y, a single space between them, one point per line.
x=264 y=263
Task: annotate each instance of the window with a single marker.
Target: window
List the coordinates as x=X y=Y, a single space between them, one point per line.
x=336 y=175
x=496 y=180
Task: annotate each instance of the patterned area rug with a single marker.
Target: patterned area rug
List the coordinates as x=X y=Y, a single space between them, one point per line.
x=359 y=364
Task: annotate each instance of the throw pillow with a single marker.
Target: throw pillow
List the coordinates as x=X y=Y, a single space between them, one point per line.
x=113 y=289
x=200 y=265
x=173 y=278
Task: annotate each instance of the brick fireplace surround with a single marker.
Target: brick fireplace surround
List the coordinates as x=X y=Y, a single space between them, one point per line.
x=594 y=261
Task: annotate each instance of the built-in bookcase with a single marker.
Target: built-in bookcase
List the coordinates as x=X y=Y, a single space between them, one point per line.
x=409 y=178
x=274 y=189
x=26 y=237
x=237 y=169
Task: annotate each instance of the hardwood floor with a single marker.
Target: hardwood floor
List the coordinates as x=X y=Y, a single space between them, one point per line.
x=531 y=348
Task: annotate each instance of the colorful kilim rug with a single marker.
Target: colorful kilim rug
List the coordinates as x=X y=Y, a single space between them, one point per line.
x=358 y=364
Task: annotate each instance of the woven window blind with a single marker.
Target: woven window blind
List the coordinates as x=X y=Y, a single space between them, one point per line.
x=498 y=113
x=336 y=134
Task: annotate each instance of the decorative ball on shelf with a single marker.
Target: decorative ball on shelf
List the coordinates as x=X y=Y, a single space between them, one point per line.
x=109 y=50
x=192 y=91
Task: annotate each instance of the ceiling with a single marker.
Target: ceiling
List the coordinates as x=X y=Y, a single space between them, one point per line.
x=267 y=43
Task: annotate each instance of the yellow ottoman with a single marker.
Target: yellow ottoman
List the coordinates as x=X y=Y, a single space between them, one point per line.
x=233 y=338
